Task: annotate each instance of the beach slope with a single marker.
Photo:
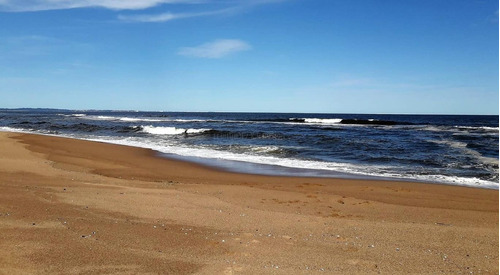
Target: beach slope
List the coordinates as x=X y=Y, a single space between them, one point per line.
x=73 y=206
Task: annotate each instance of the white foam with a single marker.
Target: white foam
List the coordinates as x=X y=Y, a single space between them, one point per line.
x=124 y=119
x=451 y=143
x=365 y=170
x=163 y=130
x=491 y=129
x=323 y=120
x=171 y=130
x=432 y=128
x=10 y=129
x=463 y=147
x=197 y=131
x=139 y=119
x=457 y=129
x=319 y=120
x=102 y=117
x=132 y=119
x=193 y=120
x=265 y=149
x=72 y=115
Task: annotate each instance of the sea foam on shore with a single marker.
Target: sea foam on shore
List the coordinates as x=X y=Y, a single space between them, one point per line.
x=460 y=150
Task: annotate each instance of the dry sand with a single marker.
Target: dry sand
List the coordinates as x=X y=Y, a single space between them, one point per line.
x=72 y=206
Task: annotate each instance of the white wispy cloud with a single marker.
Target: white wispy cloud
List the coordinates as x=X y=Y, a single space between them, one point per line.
x=168 y=16
x=40 y=5
x=163 y=17
x=215 y=49
x=212 y=7
x=234 y=8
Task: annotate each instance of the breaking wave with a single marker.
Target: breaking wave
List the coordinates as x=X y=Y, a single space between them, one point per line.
x=171 y=130
x=331 y=121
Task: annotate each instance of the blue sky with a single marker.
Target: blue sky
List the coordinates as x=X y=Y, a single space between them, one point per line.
x=328 y=56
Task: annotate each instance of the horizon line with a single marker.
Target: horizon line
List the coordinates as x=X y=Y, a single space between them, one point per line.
x=248 y=112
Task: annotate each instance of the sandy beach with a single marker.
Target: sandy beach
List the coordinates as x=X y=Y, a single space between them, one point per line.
x=79 y=207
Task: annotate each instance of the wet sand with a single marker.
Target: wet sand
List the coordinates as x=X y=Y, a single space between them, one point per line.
x=72 y=206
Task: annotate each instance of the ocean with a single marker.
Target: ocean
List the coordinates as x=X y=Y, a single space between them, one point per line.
x=449 y=149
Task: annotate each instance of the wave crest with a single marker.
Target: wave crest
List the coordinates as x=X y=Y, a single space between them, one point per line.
x=171 y=130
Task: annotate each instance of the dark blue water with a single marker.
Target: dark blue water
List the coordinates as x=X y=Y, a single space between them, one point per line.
x=459 y=150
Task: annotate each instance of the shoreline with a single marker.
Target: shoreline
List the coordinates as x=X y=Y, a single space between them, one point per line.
x=263 y=169
x=191 y=161
x=76 y=206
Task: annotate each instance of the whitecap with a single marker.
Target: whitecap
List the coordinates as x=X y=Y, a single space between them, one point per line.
x=171 y=130
x=132 y=119
x=321 y=120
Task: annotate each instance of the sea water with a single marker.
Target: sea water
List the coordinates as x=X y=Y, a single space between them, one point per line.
x=451 y=149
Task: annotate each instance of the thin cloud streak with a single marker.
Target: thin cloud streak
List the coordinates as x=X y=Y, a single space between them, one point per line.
x=240 y=6
x=168 y=16
x=232 y=7
x=43 y=5
x=216 y=49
